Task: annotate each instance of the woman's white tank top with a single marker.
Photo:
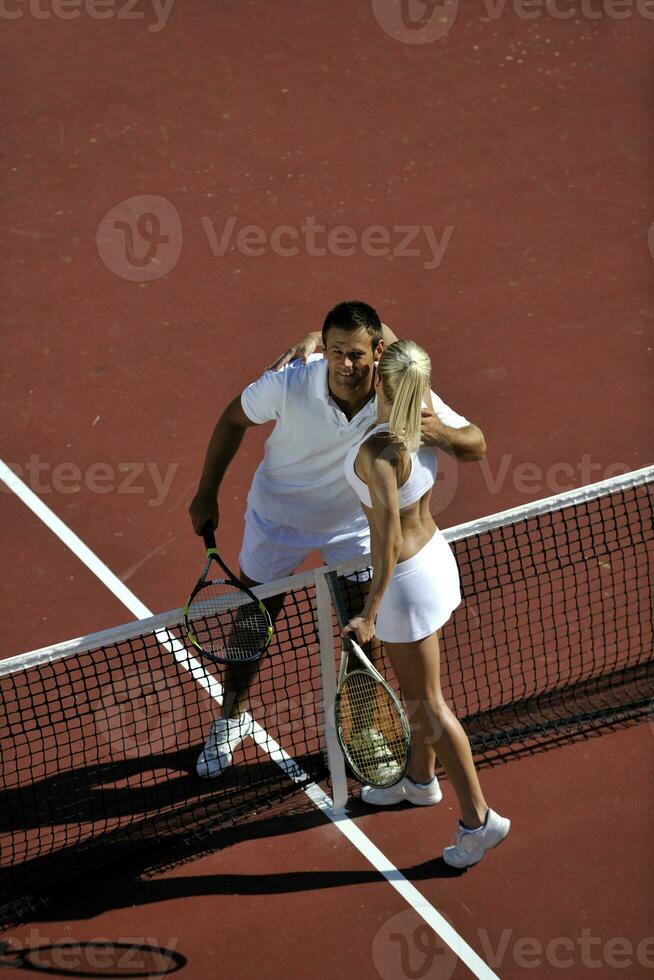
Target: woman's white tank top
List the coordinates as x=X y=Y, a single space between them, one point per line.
x=424 y=467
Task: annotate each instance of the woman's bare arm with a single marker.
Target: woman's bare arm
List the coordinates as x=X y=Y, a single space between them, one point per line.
x=380 y=474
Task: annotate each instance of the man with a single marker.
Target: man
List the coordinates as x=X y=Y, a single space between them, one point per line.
x=299 y=500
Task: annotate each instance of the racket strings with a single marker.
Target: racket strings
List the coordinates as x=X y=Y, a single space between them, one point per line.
x=227 y=623
x=372 y=730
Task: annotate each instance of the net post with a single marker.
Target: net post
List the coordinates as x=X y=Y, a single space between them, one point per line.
x=335 y=759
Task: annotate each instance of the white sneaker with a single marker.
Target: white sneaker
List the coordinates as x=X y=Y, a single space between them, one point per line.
x=470 y=846
x=225 y=736
x=405 y=790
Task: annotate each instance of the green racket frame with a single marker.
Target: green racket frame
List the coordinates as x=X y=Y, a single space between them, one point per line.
x=230 y=579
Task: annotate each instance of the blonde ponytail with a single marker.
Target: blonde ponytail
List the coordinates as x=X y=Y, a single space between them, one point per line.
x=404 y=370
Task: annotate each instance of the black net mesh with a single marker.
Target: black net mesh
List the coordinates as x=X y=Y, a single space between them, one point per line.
x=98 y=749
x=555 y=629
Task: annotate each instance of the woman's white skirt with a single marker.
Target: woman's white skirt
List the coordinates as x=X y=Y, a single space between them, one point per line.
x=422 y=594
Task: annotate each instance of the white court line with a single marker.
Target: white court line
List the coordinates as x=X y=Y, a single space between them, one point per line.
x=76 y=545
x=318 y=797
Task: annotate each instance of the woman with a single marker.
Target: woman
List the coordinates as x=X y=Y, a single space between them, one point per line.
x=414 y=590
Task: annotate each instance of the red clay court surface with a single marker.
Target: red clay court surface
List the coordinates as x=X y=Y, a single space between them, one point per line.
x=525 y=145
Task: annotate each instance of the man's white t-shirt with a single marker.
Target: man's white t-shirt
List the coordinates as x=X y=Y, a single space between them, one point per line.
x=300 y=483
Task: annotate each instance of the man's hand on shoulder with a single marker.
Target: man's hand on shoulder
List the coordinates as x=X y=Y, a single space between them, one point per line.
x=466 y=444
x=300 y=351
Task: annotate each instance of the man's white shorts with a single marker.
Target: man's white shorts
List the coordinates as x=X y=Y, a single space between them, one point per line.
x=271 y=551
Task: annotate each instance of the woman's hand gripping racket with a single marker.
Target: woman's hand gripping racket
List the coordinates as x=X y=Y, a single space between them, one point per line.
x=371 y=725
x=223 y=619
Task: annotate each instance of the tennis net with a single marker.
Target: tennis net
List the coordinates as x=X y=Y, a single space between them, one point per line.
x=99 y=736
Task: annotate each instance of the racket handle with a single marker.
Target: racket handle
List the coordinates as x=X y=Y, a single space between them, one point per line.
x=208 y=536
x=337 y=599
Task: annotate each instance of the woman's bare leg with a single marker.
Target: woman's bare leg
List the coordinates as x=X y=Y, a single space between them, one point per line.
x=435 y=729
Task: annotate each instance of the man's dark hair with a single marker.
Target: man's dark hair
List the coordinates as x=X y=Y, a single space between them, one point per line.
x=353 y=315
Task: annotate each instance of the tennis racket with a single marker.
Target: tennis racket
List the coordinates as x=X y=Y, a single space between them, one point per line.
x=371 y=726
x=223 y=619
